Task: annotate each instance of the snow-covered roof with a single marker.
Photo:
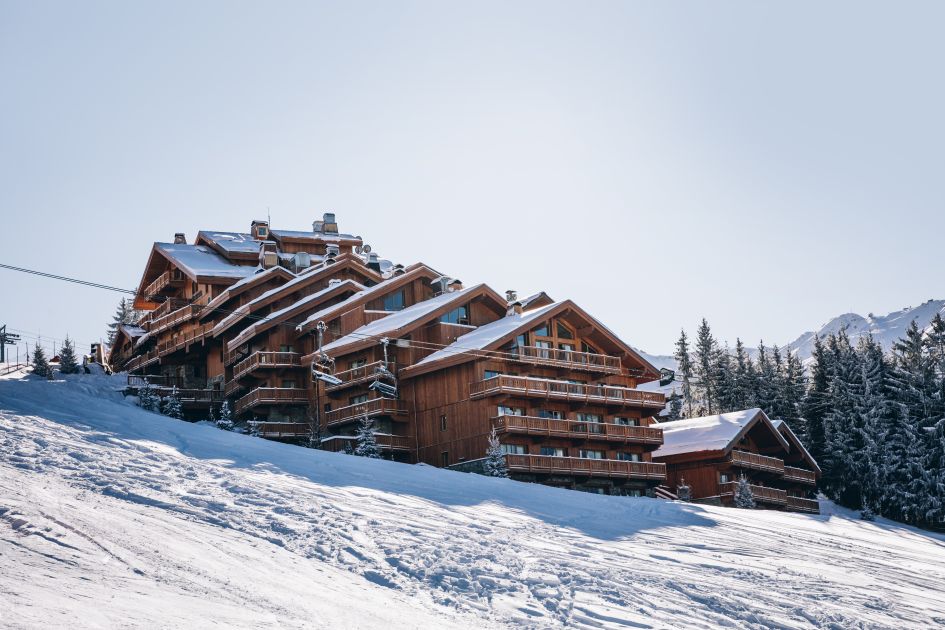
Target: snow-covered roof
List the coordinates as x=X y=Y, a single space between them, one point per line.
x=315 y=236
x=234 y=242
x=262 y=324
x=783 y=427
x=399 y=319
x=488 y=334
x=132 y=331
x=708 y=433
x=202 y=261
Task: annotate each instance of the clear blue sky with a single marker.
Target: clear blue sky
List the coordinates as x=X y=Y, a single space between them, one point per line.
x=765 y=166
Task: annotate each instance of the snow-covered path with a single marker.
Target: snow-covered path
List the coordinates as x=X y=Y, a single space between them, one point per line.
x=114 y=517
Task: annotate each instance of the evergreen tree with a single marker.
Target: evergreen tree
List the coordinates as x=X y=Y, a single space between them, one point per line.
x=793 y=391
x=225 y=421
x=68 y=364
x=148 y=398
x=675 y=407
x=705 y=360
x=743 y=496
x=684 y=373
x=724 y=381
x=124 y=314
x=348 y=450
x=765 y=385
x=840 y=480
x=367 y=443
x=683 y=491
x=172 y=405
x=494 y=465
x=41 y=365
x=816 y=403
x=742 y=378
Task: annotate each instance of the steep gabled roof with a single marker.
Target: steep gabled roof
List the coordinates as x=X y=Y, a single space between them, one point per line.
x=197 y=262
x=230 y=244
x=393 y=283
x=404 y=322
x=795 y=443
x=300 y=236
x=534 y=301
x=494 y=335
x=714 y=435
x=310 y=301
x=298 y=282
x=273 y=274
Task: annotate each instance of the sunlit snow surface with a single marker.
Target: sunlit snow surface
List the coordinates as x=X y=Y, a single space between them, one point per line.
x=114 y=517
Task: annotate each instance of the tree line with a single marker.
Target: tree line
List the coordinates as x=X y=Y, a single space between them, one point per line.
x=873 y=420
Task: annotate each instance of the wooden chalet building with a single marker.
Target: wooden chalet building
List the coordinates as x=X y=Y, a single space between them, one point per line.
x=244 y=317
x=709 y=454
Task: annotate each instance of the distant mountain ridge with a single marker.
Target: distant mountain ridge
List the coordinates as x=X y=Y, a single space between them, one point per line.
x=886 y=330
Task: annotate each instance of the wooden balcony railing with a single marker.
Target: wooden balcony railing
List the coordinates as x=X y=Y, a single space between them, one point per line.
x=762 y=494
x=799 y=474
x=571 y=359
x=564 y=390
x=183 y=340
x=141 y=361
x=194 y=396
x=265 y=359
x=800 y=504
x=232 y=356
x=336 y=443
x=359 y=374
x=586 y=467
x=234 y=386
x=744 y=459
x=181 y=315
x=373 y=407
x=271 y=396
x=271 y=430
x=551 y=427
x=170 y=278
x=156 y=380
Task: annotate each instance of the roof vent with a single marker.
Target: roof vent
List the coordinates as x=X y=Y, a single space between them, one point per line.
x=259 y=229
x=328 y=223
x=440 y=285
x=398 y=270
x=301 y=260
x=332 y=250
x=317 y=226
x=455 y=285
x=268 y=256
x=179 y=238
x=511 y=295
x=373 y=262
x=515 y=308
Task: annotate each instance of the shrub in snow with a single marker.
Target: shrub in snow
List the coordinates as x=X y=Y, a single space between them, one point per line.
x=40 y=364
x=148 y=398
x=743 y=496
x=348 y=450
x=225 y=421
x=683 y=491
x=68 y=364
x=866 y=514
x=172 y=406
x=494 y=465
x=367 y=443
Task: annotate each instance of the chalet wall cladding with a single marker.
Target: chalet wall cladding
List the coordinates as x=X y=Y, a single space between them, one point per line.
x=247 y=317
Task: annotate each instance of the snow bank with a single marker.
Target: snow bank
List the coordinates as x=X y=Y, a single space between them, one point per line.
x=113 y=516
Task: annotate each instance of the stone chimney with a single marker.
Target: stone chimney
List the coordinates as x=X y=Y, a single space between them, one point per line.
x=511 y=295
x=515 y=308
x=455 y=285
x=179 y=238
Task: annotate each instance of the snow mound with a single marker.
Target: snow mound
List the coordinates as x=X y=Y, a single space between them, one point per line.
x=114 y=517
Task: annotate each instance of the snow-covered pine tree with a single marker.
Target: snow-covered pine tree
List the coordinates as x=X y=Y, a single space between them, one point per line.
x=683 y=491
x=839 y=479
x=866 y=425
x=705 y=360
x=172 y=405
x=40 y=363
x=366 y=442
x=684 y=373
x=148 y=398
x=816 y=403
x=674 y=409
x=68 y=364
x=743 y=496
x=225 y=421
x=765 y=382
x=347 y=449
x=494 y=465
x=724 y=378
x=794 y=396
x=742 y=376
x=124 y=314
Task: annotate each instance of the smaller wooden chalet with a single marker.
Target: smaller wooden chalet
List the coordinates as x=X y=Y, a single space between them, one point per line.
x=709 y=454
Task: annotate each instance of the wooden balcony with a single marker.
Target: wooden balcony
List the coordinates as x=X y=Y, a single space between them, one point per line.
x=371 y=408
x=569 y=359
x=743 y=459
x=271 y=396
x=194 y=397
x=184 y=340
x=263 y=360
x=141 y=361
x=800 y=475
x=170 y=279
x=155 y=380
x=277 y=430
x=181 y=315
x=385 y=442
x=550 y=464
x=800 y=504
x=234 y=386
x=761 y=494
x=551 y=427
x=563 y=390
x=360 y=374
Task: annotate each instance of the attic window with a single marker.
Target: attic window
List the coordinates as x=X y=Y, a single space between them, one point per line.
x=541 y=331
x=564 y=332
x=394 y=301
x=456 y=316
x=263 y=232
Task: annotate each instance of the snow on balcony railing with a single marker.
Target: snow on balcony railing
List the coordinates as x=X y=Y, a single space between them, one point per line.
x=565 y=390
x=373 y=407
x=762 y=494
x=532 y=425
x=265 y=359
x=757 y=462
x=567 y=358
x=799 y=474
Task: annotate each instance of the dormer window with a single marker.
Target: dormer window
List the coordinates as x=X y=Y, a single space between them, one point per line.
x=263 y=232
x=456 y=316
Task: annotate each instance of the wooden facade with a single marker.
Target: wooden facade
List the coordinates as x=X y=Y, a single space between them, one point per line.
x=710 y=455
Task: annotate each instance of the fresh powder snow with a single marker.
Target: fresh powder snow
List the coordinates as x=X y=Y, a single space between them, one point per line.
x=111 y=516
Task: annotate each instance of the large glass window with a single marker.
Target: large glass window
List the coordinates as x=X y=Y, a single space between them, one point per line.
x=456 y=316
x=588 y=454
x=541 y=331
x=491 y=374
x=511 y=411
x=627 y=422
x=357 y=400
x=394 y=301
x=550 y=413
x=552 y=451
x=513 y=449
x=564 y=332
x=629 y=457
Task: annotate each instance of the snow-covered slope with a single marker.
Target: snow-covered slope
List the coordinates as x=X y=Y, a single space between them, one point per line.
x=114 y=517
